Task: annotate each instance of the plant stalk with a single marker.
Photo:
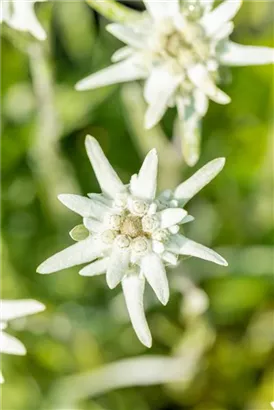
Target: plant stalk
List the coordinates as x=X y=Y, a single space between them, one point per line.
x=53 y=171
x=113 y=10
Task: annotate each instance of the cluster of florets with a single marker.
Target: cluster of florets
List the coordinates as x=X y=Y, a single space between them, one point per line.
x=180 y=43
x=133 y=224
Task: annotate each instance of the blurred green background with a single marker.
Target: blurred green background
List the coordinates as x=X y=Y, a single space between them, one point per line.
x=219 y=323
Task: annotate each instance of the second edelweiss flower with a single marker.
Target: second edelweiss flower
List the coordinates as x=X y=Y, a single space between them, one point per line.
x=132 y=234
x=178 y=50
x=13 y=309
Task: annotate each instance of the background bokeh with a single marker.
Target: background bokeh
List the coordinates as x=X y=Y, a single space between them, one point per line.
x=219 y=323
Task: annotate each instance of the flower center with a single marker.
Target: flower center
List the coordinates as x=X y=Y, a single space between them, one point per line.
x=138 y=207
x=123 y=241
x=175 y=42
x=140 y=245
x=132 y=226
x=182 y=45
x=150 y=223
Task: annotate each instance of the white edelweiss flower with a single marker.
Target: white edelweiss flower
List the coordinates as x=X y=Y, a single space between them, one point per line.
x=132 y=234
x=13 y=309
x=178 y=51
x=20 y=15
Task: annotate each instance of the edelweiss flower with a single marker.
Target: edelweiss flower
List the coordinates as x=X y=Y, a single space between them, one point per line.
x=20 y=15
x=12 y=309
x=132 y=234
x=178 y=51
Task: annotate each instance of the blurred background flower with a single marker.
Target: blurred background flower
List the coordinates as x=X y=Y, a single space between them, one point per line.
x=20 y=15
x=178 y=48
x=9 y=310
x=215 y=337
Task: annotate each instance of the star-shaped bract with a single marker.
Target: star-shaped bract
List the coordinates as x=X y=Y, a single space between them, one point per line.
x=132 y=234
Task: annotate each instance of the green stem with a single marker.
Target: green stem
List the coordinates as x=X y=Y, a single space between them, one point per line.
x=53 y=171
x=114 y=11
x=20 y=40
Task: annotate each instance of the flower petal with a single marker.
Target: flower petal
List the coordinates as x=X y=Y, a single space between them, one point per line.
x=188 y=132
x=171 y=216
x=23 y=18
x=12 y=309
x=145 y=184
x=200 y=102
x=187 y=219
x=101 y=199
x=170 y=258
x=133 y=288
x=191 y=140
x=154 y=271
x=185 y=191
x=206 y=5
x=118 y=266
x=185 y=246
x=214 y=20
x=121 y=54
x=5 y=12
x=81 y=252
x=159 y=88
x=161 y=9
x=200 y=77
x=239 y=55
x=11 y=345
x=127 y=35
x=2 y=380
x=93 y=225
x=95 y=268
x=127 y=70
x=108 y=180
x=83 y=206
x=224 y=31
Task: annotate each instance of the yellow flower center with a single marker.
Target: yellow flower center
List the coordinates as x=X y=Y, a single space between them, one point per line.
x=181 y=47
x=131 y=226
